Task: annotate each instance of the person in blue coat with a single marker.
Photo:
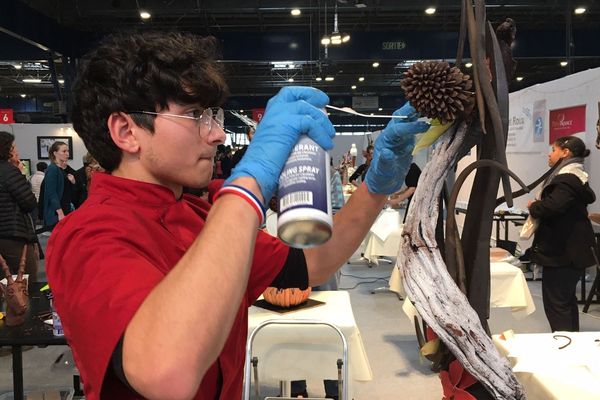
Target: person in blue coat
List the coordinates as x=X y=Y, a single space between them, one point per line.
x=59 y=185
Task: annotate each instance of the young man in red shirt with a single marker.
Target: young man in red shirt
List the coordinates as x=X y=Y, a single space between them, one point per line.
x=153 y=285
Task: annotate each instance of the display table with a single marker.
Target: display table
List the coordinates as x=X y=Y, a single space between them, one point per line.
x=549 y=373
x=508 y=288
x=295 y=352
x=503 y=216
x=385 y=236
x=34 y=332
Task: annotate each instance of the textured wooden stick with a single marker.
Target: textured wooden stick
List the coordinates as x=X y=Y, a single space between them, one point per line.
x=6 y=270
x=437 y=298
x=22 y=263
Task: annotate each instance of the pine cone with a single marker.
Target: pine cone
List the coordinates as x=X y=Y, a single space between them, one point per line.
x=439 y=91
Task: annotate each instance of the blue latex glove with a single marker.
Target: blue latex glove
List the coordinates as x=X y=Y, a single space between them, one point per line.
x=392 y=154
x=294 y=111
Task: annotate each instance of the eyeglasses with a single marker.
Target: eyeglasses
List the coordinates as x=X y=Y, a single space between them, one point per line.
x=202 y=117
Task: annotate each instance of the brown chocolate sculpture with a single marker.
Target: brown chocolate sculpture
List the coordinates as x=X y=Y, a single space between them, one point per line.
x=15 y=292
x=445 y=274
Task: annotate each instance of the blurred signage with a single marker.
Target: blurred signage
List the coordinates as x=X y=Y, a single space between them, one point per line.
x=390 y=46
x=6 y=116
x=365 y=103
x=566 y=121
x=257 y=114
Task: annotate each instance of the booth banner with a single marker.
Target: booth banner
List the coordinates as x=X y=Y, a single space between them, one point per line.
x=257 y=114
x=6 y=116
x=566 y=121
x=527 y=125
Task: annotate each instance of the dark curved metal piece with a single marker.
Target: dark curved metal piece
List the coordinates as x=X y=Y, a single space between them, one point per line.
x=462 y=33
x=471 y=31
x=453 y=246
x=531 y=186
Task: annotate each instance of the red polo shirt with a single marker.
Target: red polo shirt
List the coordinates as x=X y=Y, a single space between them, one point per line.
x=106 y=257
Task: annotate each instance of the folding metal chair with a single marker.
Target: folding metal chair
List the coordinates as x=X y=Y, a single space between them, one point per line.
x=251 y=365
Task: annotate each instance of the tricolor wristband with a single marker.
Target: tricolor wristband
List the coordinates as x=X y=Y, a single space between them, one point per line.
x=248 y=196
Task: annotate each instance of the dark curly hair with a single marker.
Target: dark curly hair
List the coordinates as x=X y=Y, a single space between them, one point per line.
x=6 y=141
x=574 y=144
x=142 y=71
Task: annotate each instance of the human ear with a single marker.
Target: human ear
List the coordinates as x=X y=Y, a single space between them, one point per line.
x=122 y=131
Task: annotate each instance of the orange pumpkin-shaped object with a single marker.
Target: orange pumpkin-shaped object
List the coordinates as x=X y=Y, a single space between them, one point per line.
x=286 y=297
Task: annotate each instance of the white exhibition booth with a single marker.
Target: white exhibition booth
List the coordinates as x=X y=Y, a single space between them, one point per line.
x=564 y=106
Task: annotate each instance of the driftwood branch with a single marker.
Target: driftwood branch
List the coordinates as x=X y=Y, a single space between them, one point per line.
x=437 y=298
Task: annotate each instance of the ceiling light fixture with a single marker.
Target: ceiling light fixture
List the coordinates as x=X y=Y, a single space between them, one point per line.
x=291 y=80
x=337 y=37
x=295 y=12
x=61 y=81
x=18 y=66
x=23 y=95
x=145 y=14
x=519 y=78
x=430 y=11
x=329 y=78
x=318 y=79
x=375 y=64
x=353 y=87
x=580 y=10
x=564 y=63
x=362 y=78
x=468 y=65
x=380 y=109
x=32 y=80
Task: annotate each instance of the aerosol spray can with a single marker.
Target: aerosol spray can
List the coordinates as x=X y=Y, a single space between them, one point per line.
x=304 y=218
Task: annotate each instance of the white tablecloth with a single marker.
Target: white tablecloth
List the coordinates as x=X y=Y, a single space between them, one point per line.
x=508 y=288
x=549 y=373
x=384 y=236
x=292 y=352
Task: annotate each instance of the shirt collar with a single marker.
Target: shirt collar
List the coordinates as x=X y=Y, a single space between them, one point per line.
x=131 y=190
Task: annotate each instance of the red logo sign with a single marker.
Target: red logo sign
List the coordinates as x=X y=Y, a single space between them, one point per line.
x=566 y=121
x=257 y=114
x=6 y=116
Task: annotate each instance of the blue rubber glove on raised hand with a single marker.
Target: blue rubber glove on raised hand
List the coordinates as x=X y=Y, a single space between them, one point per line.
x=392 y=155
x=294 y=111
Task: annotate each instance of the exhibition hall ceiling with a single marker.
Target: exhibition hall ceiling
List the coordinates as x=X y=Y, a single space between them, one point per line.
x=265 y=47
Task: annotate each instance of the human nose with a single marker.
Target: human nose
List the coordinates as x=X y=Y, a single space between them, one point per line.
x=216 y=135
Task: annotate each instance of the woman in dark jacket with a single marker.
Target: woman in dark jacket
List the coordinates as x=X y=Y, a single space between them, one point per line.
x=564 y=240
x=16 y=202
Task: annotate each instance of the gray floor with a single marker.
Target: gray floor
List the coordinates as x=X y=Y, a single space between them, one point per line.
x=399 y=371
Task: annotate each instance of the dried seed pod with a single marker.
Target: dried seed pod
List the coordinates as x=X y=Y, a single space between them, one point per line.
x=438 y=90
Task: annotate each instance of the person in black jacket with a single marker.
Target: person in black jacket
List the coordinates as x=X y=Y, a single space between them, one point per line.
x=564 y=240
x=16 y=202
